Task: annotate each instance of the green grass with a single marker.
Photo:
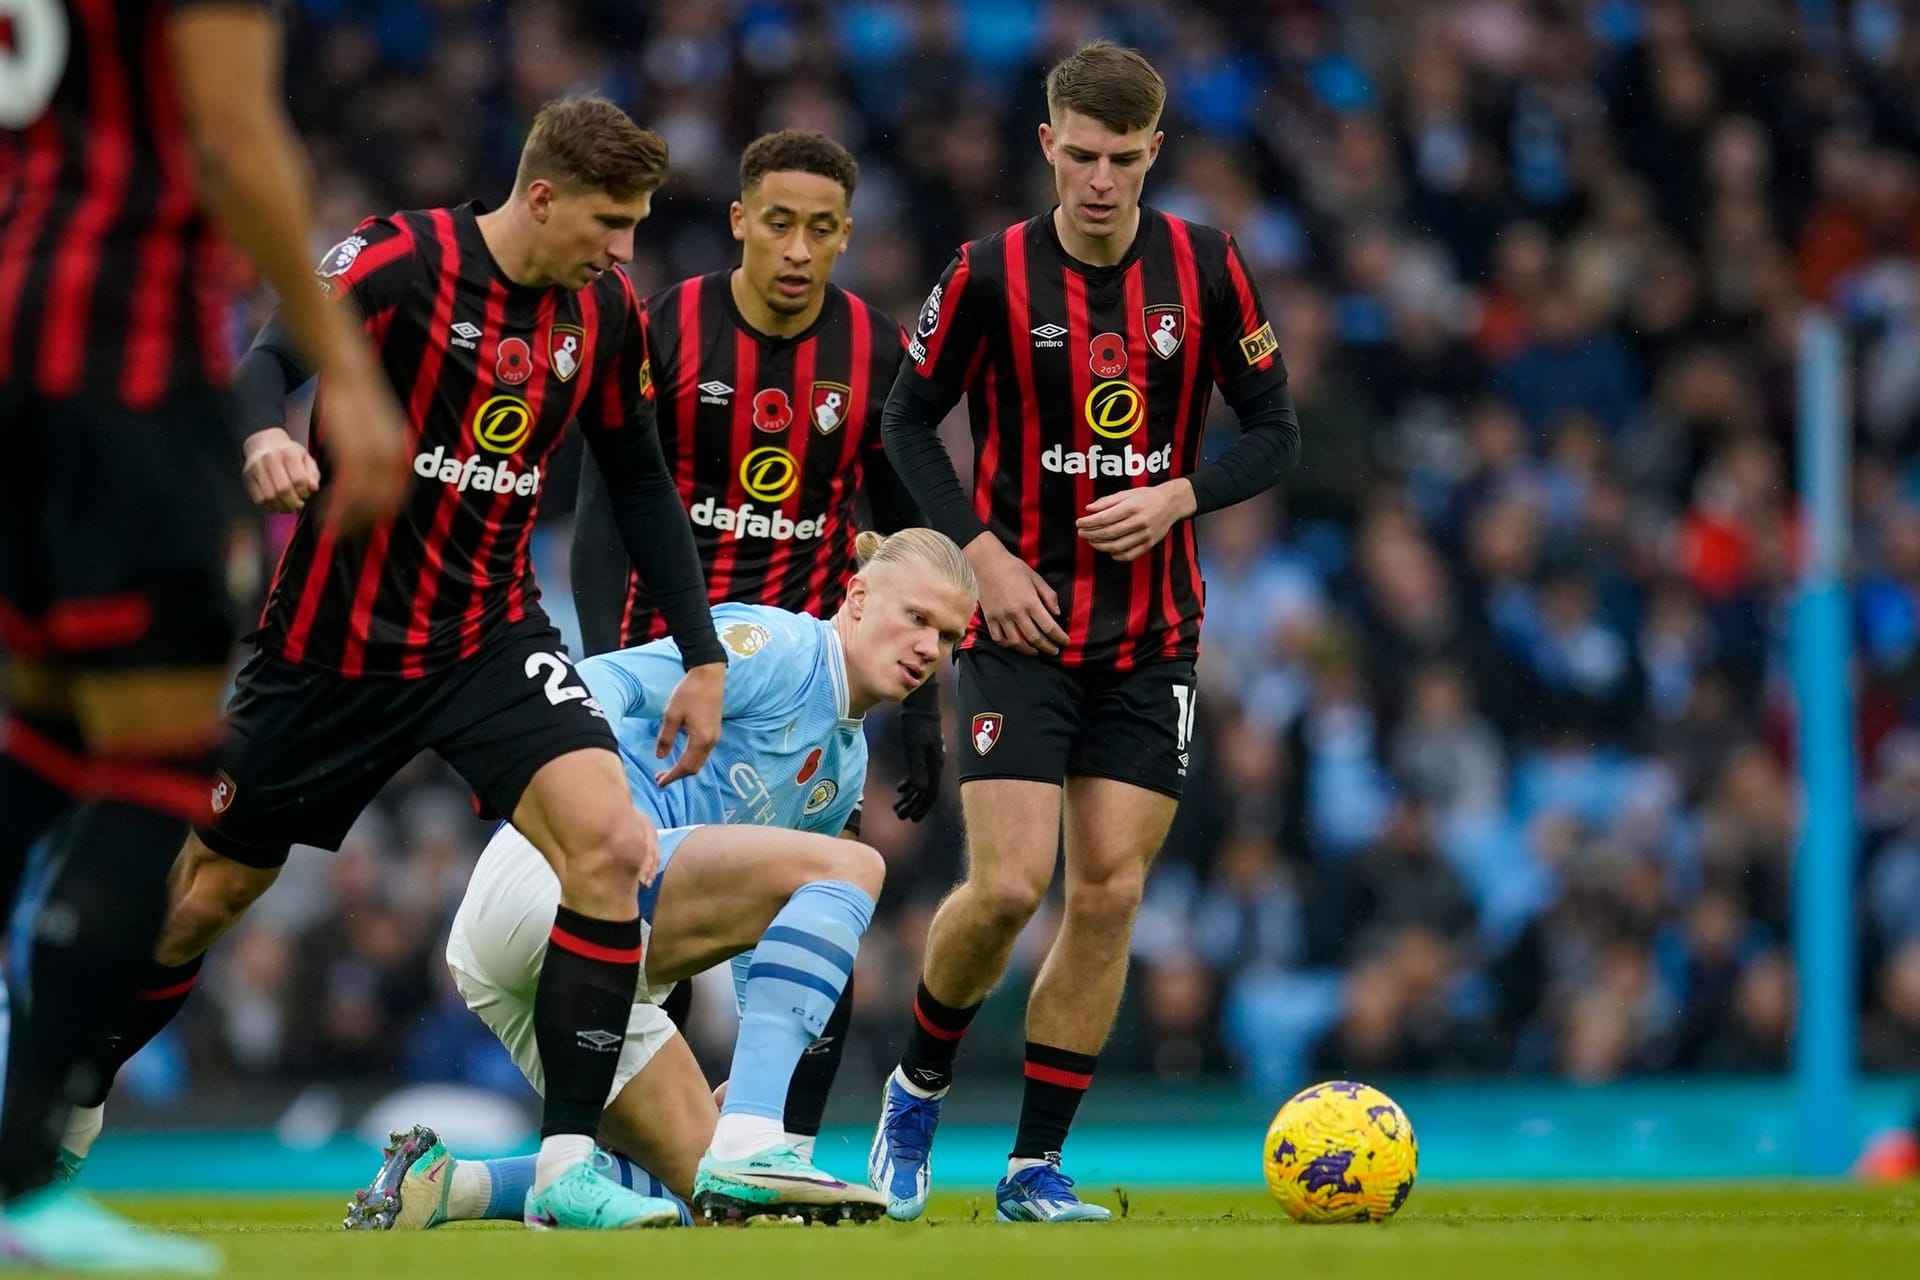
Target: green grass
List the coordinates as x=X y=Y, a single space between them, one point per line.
x=1504 y=1232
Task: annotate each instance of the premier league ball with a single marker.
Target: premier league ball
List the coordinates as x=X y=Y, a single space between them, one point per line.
x=1341 y=1152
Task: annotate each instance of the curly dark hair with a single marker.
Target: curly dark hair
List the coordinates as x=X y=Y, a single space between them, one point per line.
x=798 y=151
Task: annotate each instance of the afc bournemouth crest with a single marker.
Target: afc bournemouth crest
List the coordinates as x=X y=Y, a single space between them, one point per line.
x=514 y=363
x=1166 y=328
x=986 y=731
x=830 y=402
x=566 y=346
x=224 y=791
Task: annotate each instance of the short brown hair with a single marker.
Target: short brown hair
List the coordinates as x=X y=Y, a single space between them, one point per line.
x=588 y=144
x=1109 y=83
x=798 y=151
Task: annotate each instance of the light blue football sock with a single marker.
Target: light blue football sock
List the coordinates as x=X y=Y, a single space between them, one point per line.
x=799 y=968
x=512 y=1178
x=509 y=1181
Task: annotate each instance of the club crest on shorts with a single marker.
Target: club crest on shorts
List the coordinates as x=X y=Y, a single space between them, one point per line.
x=1166 y=328
x=822 y=795
x=224 y=790
x=986 y=731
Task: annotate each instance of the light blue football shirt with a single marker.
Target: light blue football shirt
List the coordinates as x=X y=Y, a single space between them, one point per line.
x=789 y=755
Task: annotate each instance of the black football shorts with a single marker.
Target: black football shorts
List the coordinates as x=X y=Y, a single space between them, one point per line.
x=307 y=749
x=1029 y=717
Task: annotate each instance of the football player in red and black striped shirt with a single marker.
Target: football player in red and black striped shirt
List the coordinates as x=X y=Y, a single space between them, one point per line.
x=129 y=129
x=426 y=633
x=769 y=382
x=1088 y=341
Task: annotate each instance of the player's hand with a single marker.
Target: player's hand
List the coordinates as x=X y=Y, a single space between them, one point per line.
x=366 y=434
x=693 y=709
x=280 y=474
x=1020 y=608
x=924 y=743
x=1127 y=524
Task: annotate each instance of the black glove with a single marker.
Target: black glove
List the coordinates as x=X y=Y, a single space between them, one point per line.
x=924 y=741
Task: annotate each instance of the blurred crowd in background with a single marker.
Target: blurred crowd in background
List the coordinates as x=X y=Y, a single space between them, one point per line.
x=1495 y=772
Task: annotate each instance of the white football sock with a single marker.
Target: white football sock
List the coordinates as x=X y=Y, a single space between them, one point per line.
x=738 y=1136
x=470 y=1191
x=558 y=1154
x=918 y=1091
x=1016 y=1163
x=83 y=1129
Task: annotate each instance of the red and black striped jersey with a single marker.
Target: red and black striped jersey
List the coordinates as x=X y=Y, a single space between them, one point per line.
x=771 y=441
x=1082 y=381
x=112 y=283
x=489 y=372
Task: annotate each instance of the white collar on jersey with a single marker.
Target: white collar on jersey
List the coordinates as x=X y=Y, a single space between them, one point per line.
x=837 y=666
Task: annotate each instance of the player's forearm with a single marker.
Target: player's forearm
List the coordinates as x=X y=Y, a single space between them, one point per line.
x=252 y=175
x=1268 y=446
x=269 y=372
x=911 y=428
x=658 y=537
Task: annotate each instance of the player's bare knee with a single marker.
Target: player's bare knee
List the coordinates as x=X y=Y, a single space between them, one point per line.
x=1107 y=902
x=603 y=854
x=1008 y=899
x=860 y=865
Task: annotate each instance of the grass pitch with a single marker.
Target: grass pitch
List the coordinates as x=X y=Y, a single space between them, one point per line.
x=1507 y=1232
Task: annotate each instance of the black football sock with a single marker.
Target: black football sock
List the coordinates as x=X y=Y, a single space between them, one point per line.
x=1056 y=1081
x=580 y=1010
x=92 y=939
x=933 y=1040
x=813 y=1077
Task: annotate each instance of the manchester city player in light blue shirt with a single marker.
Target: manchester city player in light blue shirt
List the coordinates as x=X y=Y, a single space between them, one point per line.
x=750 y=860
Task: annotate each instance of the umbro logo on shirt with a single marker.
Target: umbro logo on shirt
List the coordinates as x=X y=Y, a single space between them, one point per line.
x=466 y=334
x=714 y=391
x=1049 y=335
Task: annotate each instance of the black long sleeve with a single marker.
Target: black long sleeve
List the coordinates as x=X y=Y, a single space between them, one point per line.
x=271 y=370
x=653 y=527
x=910 y=425
x=888 y=500
x=1268 y=446
x=598 y=563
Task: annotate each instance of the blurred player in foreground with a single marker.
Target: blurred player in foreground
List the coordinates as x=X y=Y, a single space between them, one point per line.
x=135 y=132
x=426 y=632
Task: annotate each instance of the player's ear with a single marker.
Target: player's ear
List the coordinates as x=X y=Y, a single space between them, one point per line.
x=737 y=216
x=846 y=234
x=1153 y=148
x=857 y=595
x=1046 y=141
x=539 y=199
